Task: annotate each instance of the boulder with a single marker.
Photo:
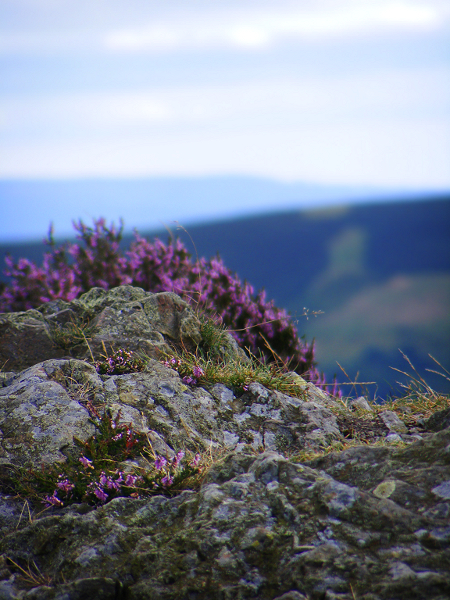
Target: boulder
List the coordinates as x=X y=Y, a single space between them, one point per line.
x=273 y=518
x=124 y=317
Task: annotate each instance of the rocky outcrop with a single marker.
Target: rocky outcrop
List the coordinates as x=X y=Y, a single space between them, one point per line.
x=370 y=522
x=125 y=317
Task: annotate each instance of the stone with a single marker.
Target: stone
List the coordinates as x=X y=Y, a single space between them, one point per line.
x=360 y=404
x=25 y=340
x=392 y=422
x=125 y=317
x=438 y=420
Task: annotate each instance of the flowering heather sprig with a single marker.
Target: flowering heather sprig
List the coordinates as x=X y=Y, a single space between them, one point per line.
x=192 y=377
x=121 y=361
x=86 y=462
x=53 y=500
x=171 y=472
x=98 y=476
x=160 y=463
x=97 y=260
x=194 y=462
x=65 y=485
x=177 y=459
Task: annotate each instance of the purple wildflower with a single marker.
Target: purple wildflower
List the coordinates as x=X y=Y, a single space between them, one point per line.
x=198 y=372
x=101 y=494
x=188 y=380
x=160 y=463
x=177 y=459
x=194 y=462
x=86 y=462
x=114 y=484
x=53 y=500
x=167 y=480
x=130 y=480
x=65 y=485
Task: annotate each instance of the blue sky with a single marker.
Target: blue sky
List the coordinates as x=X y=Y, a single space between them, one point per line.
x=333 y=92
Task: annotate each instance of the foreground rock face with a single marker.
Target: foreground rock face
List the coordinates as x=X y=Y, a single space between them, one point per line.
x=368 y=522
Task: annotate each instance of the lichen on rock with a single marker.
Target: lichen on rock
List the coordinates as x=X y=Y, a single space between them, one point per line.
x=267 y=521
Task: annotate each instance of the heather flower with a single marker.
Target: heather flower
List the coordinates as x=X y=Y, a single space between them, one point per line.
x=197 y=372
x=177 y=459
x=130 y=480
x=86 y=462
x=65 y=485
x=114 y=484
x=100 y=494
x=166 y=481
x=194 y=462
x=188 y=380
x=160 y=463
x=53 y=500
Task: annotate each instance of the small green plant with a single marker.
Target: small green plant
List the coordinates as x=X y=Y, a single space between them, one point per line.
x=70 y=334
x=196 y=370
x=119 y=362
x=98 y=475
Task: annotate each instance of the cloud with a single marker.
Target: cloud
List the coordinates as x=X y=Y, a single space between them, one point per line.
x=385 y=127
x=149 y=27
x=235 y=106
x=258 y=28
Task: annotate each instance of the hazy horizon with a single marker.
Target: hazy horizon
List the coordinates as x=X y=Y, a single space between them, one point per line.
x=150 y=204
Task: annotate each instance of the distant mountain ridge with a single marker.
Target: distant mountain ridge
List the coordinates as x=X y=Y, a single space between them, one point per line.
x=380 y=272
x=149 y=202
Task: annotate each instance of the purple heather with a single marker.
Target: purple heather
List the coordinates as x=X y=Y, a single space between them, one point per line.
x=166 y=481
x=194 y=462
x=86 y=462
x=160 y=463
x=97 y=260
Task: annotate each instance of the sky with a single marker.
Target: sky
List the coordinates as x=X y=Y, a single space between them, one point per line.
x=328 y=92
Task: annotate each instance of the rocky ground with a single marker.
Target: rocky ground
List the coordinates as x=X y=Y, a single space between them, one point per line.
x=276 y=516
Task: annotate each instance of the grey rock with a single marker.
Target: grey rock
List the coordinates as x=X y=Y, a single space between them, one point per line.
x=442 y=490
x=360 y=403
x=125 y=317
x=438 y=420
x=25 y=340
x=368 y=522
x=392 y=422
x=39 y=418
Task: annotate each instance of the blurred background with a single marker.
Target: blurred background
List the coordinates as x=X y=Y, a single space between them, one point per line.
x=307 y=141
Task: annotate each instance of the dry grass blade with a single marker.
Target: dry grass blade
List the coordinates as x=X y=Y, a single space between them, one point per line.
x=418 y=379
x=30 y=578
x=447 y=377
x=420 y=400
x=22 y=511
